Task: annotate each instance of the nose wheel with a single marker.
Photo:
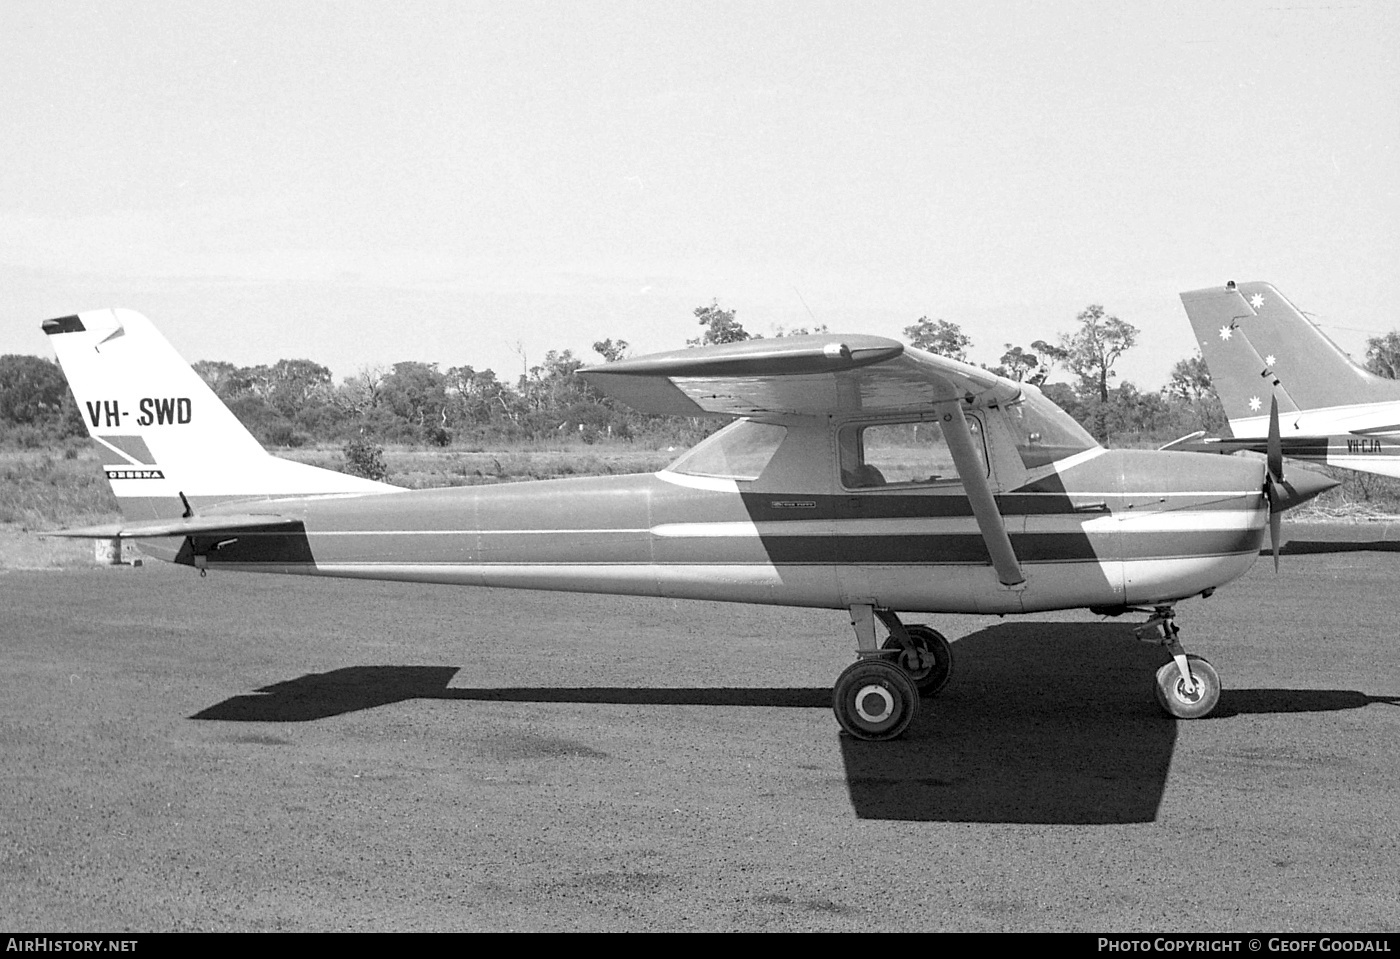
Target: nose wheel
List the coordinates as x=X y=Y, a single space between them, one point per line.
x=1188 y=687
x=1192 y=701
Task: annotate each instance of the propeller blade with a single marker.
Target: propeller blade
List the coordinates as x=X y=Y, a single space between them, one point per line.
x=1275 y=532
x=1273 y=484
x=1275 y=447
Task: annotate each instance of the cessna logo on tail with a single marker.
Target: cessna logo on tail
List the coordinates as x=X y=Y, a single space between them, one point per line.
x=124 y=474
x=157 y=410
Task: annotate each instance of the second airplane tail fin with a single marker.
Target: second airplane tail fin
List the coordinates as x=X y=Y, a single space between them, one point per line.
x=1257 y=344
x=169 y=444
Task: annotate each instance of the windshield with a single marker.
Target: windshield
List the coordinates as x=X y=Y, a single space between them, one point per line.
x=1044 y=432
x=739 y=451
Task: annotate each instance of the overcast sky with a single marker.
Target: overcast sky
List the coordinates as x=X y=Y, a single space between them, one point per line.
x=360 y=183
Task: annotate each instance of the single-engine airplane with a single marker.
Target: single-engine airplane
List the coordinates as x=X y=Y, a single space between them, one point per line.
x=1257 y=344
x=858 y=475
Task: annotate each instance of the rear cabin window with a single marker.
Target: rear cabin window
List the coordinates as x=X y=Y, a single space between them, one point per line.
x=740 y=451
x=902 y=453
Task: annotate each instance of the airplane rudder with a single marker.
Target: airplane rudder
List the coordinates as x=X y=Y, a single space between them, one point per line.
x=160 y=428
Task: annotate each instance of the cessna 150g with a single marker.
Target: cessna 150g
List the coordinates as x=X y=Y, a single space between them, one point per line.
x=1256 y=344
x=859 y=475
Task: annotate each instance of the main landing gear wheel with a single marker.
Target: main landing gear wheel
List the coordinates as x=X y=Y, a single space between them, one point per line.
x=875 y=699
x=929 y=662
x=1181 y=701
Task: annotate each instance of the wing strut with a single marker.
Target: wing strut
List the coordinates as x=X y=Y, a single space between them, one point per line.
x=973 y=474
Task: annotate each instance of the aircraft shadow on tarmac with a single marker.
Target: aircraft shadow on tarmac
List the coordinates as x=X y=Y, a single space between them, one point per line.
x=1042 y=723
x=1305 y=547
x=1046 y=723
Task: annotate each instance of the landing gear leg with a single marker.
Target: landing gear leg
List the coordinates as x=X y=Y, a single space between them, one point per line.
x=1188 y=687
x=873 y=698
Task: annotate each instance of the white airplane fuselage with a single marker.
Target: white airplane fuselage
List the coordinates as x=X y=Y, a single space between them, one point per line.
x=1111 y=528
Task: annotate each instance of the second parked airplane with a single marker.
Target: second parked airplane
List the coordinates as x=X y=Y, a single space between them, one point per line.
x=1260 y=346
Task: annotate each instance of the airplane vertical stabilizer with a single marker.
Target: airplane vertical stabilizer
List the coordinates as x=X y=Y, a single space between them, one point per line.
x=1257 y=344
x=162 y=431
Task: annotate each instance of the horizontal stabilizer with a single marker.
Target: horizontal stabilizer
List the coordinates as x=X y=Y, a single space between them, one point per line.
x=1303 y=447
x=194 y=525
x=1181 y=442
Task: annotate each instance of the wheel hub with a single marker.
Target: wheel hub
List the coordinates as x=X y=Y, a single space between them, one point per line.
x=1189 y=694
x=874 y=704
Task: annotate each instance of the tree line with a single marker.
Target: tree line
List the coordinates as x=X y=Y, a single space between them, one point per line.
x=296 y=402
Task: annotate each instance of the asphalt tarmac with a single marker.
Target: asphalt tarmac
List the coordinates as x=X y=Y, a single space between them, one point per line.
x=250 y=752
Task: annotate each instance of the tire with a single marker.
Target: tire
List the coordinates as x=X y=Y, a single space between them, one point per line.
x=874 y=700
x=1173 y=697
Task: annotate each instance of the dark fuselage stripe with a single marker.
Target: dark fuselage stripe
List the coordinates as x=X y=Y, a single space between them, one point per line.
x=439 y=547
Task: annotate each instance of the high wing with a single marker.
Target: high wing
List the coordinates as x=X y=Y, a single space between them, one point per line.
x=811 y=375
x=826 y=374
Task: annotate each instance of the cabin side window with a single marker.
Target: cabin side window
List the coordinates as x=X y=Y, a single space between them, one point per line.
x=740 y=451
x=888 y=454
